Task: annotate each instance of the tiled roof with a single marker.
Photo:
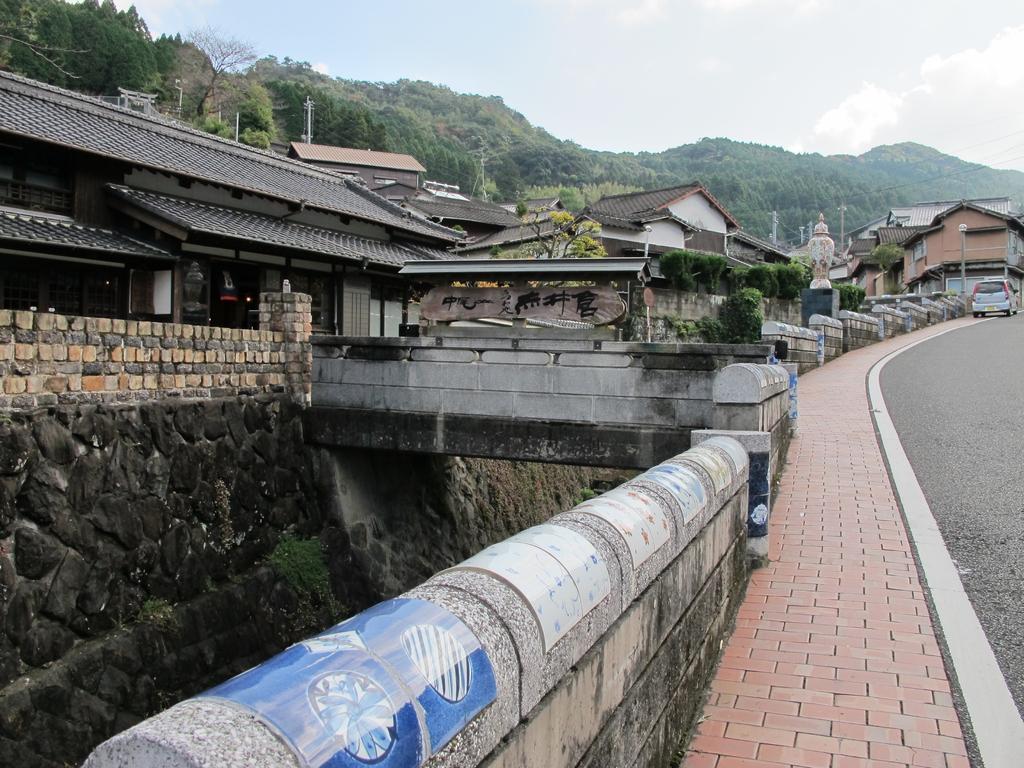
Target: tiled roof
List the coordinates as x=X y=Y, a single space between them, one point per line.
x=862 y=246
x=923 y=214
x=521 y=233
x=58 y=231
x=478 y=211
x=634 y=208
x=54 y=115
x=758 y=243
x=324 y=153
x=269 y=230
x=896 y=235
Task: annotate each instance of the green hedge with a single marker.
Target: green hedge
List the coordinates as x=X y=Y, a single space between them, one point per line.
x=850 y=296
x=741 y=317
x=782 y=281
x=693 y=271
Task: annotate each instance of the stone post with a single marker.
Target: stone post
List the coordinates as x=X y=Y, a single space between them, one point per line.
x=290 y=314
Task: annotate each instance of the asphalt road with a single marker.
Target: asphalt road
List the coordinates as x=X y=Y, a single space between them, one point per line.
x=957 y=402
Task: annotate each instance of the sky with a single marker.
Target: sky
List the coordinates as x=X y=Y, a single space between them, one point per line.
x=828 y=76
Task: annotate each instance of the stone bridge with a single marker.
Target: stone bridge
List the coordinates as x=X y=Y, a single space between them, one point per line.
x=584 y=402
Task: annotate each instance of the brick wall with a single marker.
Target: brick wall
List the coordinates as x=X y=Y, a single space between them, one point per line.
x=48 y=359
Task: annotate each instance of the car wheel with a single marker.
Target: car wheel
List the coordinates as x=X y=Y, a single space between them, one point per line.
x=977 y=314
x=1008 y=313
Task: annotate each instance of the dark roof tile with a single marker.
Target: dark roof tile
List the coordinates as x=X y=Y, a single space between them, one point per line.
x=54 y=115
x=263 y=229
x=54 y=231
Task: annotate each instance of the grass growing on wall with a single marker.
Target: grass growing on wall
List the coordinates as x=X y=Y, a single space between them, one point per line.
x=300 y=562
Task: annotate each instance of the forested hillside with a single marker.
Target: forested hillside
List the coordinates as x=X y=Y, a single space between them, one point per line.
x=206 y=79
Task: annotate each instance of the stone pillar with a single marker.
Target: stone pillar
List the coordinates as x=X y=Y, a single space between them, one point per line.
x=290 y=315
x=758 y=446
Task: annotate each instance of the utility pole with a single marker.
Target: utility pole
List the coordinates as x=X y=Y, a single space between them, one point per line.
x=963 y=263
x=308 y=135
x=236 y=125
x=801 y=235
x=775 y=227
x=842 y=225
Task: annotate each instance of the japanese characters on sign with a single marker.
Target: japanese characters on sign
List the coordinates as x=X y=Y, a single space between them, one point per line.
x=588 y=304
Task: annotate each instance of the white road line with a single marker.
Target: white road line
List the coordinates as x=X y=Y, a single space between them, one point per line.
x=997 y=723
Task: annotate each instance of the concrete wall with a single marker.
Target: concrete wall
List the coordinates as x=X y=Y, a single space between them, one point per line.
x=615 y=404
x=606 y=674
x=685 y=305
x=46 y=359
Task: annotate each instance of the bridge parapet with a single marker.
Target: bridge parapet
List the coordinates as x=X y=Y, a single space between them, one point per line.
x=582 y=642
x=619 y=404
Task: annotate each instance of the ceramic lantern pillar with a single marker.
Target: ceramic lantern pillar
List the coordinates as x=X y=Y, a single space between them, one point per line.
x=822 y=249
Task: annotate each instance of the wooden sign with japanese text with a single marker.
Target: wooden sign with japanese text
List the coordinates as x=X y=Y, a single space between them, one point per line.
x=589 y=304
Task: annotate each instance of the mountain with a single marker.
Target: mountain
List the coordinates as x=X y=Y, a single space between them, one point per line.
x=449 y=131
x=96 y=48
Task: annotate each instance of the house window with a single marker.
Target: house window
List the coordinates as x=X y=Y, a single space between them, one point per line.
x=384 y=180
x=36 y=181
x=20 y=290
x=920 y=249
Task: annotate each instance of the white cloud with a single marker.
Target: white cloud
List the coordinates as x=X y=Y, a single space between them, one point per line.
x=859 y=118
x=957 y=101
x=322 y=68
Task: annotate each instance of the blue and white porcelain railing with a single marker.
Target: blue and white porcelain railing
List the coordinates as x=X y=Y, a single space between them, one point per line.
x=443 y=673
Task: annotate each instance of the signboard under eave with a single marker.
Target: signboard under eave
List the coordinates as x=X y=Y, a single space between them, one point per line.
x=597 y=305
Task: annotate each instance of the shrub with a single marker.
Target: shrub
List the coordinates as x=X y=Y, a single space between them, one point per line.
x=737 y=278
x=711 y=330
x=742 y=317
x=790 y=279
x=691 y=271
x=300 y=562
x=850 y=296
x=708 y=269
x=676 y=266
x=762 y=278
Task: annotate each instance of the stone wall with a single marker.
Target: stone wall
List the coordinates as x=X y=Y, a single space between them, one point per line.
x=893 y=321
x=918 y=314
x=671 y=306
x=49 y=359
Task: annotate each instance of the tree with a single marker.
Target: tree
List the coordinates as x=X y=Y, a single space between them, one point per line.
x=560 y=235
x=223 y=55
x=885 y=257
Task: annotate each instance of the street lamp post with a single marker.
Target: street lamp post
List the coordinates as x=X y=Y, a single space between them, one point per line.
x=963 y=263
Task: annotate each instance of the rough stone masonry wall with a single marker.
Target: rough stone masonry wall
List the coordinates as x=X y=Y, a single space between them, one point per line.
x=48 y=359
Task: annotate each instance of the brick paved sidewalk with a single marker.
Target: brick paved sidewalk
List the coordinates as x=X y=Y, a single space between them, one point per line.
x=833 y=663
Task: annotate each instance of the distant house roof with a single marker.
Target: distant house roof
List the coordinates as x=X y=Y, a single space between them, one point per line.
x=370 y=158
x=62 y=232
x=443 y=209
x=514 y=235
x=896 y=235
x=260 y=229
x=56 y=116
x=923 y=214
x=762 y=245
x=395 y=189
x=632 y=210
